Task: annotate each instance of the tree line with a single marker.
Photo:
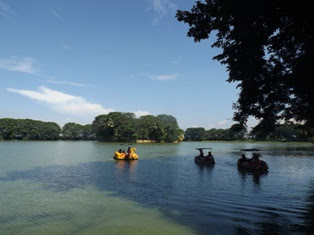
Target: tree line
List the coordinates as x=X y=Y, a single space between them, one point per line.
x=282 y=132
x=125 y=127
x=112 y=127
x=27 y=129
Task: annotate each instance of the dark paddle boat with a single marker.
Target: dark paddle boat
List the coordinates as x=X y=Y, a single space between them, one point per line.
x=253 y=164
x=204 y=159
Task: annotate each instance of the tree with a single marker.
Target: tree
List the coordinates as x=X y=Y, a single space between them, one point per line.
x=50 y=130
x=27 y=129
x=88 y=133
x=115 y=126
x=168 y=129
x=102 y=126
x=237 y=132
x=146 y=126
x=71 y=131
x=221 y=134
x=268 y=49
x=282 y=132
x=195 y=134
x=7 y=128
x=74 y=131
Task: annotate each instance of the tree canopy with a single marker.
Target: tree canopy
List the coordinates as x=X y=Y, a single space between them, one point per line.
x=74 y=131
x=27 y=129
x=195 y=134
x=235 y=132
x=267 y=48
x=282 y=132
x=117 y=126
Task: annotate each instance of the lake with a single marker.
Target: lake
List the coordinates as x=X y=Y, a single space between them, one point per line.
x=77 y=188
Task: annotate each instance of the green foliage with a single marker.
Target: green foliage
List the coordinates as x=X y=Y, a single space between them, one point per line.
x=117 y=126
x=73 y=131
x=146 y=127
x=26 y=129
x=169 y=130
x=283 y=132
x=267 y=48
x=125 y=127
x=217 y=134
x=195 y=134
x=235 y=132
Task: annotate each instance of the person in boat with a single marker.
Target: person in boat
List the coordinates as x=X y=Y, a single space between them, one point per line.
x=243 y=158
x=201 y=153
x=128 y=153
x=119 y=153
x=209 y=155
x=244 y=162
x=255 y=158
x=256 y=163
x=252 y=164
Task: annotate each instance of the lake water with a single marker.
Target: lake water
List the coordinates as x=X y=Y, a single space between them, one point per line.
x=77 y=188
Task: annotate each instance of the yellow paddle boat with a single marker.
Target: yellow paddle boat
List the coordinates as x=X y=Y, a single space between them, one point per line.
x=130 y=155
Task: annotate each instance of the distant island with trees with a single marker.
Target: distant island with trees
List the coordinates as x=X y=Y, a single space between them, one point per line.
x=125 y=127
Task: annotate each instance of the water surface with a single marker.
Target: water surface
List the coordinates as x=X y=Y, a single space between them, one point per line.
x=76 y=187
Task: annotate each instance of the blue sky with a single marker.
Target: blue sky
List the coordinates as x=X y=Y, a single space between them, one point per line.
x=69 y=61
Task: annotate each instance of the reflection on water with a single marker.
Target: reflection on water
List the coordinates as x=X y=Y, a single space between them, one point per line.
x=125 y=169
x=192 y=198
x=255 y=176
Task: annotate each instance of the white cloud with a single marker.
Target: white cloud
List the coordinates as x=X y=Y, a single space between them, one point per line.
x=66 y=46
x=57 y=15
x=177 y=61
x=19 y=64
x=222 y=123
x=140 y=113
x=68 y=83
x=63 y=103
x=162 y=8
x=164 y=77
x=6 y=11
x=160 y=77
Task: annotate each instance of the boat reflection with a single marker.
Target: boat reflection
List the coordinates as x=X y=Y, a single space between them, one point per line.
x=125 y=169
x=255 y=176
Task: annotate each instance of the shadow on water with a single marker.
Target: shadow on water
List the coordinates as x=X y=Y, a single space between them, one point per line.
x=180 y=194
x=163 y=186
